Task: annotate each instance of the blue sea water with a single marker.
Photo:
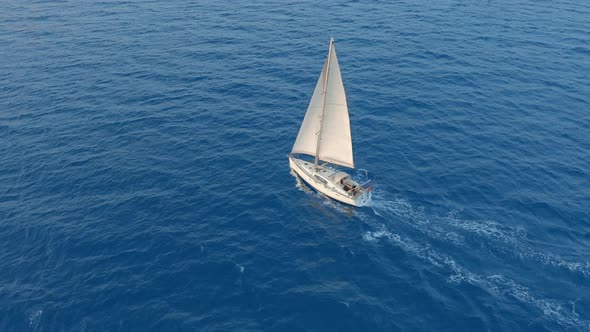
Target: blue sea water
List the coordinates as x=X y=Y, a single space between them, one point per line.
x=144 y=180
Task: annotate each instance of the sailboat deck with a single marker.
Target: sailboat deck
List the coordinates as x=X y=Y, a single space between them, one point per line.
x=323 y=171
x=331 y=182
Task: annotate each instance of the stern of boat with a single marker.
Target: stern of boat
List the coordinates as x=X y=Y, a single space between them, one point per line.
x=365 y=197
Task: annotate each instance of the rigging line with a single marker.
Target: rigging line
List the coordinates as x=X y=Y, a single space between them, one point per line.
x=317 y=149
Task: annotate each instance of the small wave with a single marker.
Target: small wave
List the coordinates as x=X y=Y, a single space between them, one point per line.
x=551 y=309
x=423 y=251
x=417 y=216
x=402 y=209
x=298 y=182
x=508 y=240
x=35 y=319
x=557 y=262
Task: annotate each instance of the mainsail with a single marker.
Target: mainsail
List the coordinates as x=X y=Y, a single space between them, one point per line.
x=327 y=119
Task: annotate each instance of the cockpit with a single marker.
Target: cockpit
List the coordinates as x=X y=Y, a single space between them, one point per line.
x=345 y=182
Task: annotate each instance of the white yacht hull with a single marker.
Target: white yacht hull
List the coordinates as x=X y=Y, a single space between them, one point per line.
x=321 y=180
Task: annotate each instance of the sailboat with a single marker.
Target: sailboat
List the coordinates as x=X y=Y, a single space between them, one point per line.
x=325 y=136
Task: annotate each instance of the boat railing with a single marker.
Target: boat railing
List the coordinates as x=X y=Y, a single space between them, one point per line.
x=367 y=184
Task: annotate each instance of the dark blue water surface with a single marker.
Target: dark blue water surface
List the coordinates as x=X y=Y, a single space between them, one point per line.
x=144 y=180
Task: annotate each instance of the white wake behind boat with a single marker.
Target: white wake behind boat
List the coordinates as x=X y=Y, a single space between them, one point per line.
x=325 y=136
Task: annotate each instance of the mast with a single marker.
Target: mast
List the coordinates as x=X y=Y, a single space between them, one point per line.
x=317 y=149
